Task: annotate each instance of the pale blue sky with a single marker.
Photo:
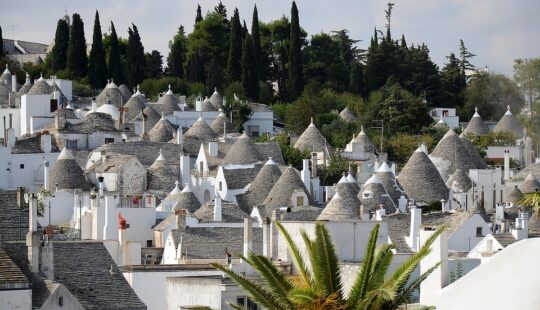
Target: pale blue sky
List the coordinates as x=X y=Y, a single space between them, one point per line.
x=497 y=31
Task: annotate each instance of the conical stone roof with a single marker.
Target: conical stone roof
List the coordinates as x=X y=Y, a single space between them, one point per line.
x=207 y=106
x=281 y=193
x=373 y=195
x=460 y=182
x=474 y=156
x=152 y=117
x=509 y=123
x=134 y=105
x=339 y=209
x=110 y=93
x=171 y=199
x=389 y=182
x=513 y=196
x=40 y=87
x=163 y=131
x=479 y=209
x=529 y=185
x=26 y=87
x=451 y=153
x=6 y=76
x=125 y=92
x=4 y=92
x=170 y=102
x=160 y=176
x=364 y=139
x=67 y=174
x=216 y=100
x=312 y=140
x=201 y=130
x=421 y=180
x=476 y=125
x=347 y=115
x=187 y=200
x=261 y=185
x=217 y=124
x=243 y=151
x=441 y=124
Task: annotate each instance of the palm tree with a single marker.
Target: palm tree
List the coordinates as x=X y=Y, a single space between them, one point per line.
x=320 y=286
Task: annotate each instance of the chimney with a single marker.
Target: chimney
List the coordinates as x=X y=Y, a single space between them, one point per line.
x=213 y=149
x=46 y=143
x=45 y=174
x=499 y=213
x=379 y=213
x=59 y=120
x=445 y=205
x=306 y=174
x=14 y=83
x=430 y=289
x=521 y=229
x=506 y=165
x=100 y=181
x=143 y=132
x=33 y=237
x=109 y=232
x=185 y=173
x=47 y=258
x=266 y=237
x=248 y=235
x=94 y=105
x=416 y=222
x=180 y=218
x=402 y=204
x=122 y=240
x=179 y=136
x=217 y=208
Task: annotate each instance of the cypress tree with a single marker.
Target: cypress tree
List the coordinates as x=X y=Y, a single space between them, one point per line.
x=198 y=18
x=134 y=57
x=1 y=44
x=177 y=55
x=453 y=82
x=58 y=60
x=115 y=64
x=256 y=39
x=295 y=57
x=356 y=81
x=97 y=68
x=77 y=62
x=250 y=82
x=234 y=69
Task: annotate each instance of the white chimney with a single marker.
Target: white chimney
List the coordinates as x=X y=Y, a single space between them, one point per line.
x=521 y=230
x=179 y=136
x=14 y=83
x=213 y=149
x=402 y=204
x=45 y=174
x=109 y=230
x=248 y=235
x=32 y=206
x=379 y=213
x=499 y=213
x=185 y=173
x=430 y=289
x=217 y=208
x=445 y=205
x=506 y=165
x=306 y=174
x=266 y=237
x=416 y=222
x=122 y=241
x=46 y=143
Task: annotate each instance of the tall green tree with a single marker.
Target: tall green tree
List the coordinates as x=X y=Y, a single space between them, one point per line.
x=77 y=62
x=115 y=63
x=2 y=53
x=199 y=17
x=250 y=81
x=177 y=54
x=465 y=57
x=453 y=82
x=97 y=67
x=153 y=65
x=58 y=55
x=295 y=56
x=234 y=70
x=319 y=286
x=356 y=80
x=527 y=74
x=134 y=57
x=256 y=39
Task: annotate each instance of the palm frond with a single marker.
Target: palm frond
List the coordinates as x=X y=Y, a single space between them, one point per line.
x=405 y=295
x=298 y=259
x=237 y=306
x=327 y=262
x=375 y=298
x=303 y=295
x=383 y=258
x=257 y=292
x=531 y=200
x=359 y=288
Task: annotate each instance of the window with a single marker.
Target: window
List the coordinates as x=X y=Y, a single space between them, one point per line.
x=21 y=166
x=444 y=113
x=253 y=131
x=60 y=301
x=54 y=105
x=246 y=302
x=479 y=232
x=109 y=140
x=220 y=186
x=299 y=201
x=148 y=243
x=71 y=144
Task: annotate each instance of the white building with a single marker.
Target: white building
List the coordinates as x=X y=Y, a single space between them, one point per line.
x=447 y=114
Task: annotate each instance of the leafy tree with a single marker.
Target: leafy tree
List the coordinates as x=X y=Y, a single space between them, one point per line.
x=2 y=52
x=77 y=62
x=465 y=57
x=115 y=63
x=256 y=39
x=422 y=77
x=250 y=81
x=527 y=74
x=153 y=64
x=349 y=52
x=215 y=74
x=453 y=82
x=322 y=65
x=97 y=68
x=57 y=59
x=199 y=17
x=221 y=9
x=177 y=54
x=401 y=146
x=331 y=174
x=295 y=56
x=291 y=156
x=320 y=285
x=338 y=132
x=240 y=111
x=134 y=57
x=234 y=70
x=356 y=80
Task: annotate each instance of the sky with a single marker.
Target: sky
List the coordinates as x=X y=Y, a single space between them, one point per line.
x=497 y=31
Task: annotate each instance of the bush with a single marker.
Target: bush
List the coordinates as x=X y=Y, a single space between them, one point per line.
x=234 y=88
x=84 y=90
